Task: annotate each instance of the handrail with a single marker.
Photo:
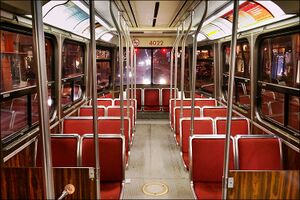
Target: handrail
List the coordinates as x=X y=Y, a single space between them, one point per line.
x=183 y=63
x=120 y=64
x=94 y=95
x=40 y=62
x=176 y=61
x=194 y=61
x=230 y=97
x=172 y=63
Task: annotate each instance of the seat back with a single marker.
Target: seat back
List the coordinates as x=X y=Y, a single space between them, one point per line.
x=205 y=102
x=238 y=126
x=65 y=150
x=207 y=154
x=116 y=111
x=258 y=152
x=152 y=99
x=165 y=92
x=80 y=125
x=111 y=155
x=186 y=112
x=117 y=103
x=88 y=111
x=202 y=125
x=105 y=102
x=214 y=111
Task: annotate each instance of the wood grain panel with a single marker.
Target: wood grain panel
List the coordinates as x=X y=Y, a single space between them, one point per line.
x=264 y=185
x=27 y=183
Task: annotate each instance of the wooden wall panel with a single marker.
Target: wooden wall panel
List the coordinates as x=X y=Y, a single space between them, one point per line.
x=264 y=185
x=24 y=158
x=27 y=183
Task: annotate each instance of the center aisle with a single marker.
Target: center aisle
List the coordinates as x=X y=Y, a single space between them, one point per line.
x=155 y=158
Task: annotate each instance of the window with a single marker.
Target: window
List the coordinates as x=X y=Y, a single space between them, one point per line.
x=103 y=69
x=161 y=66
x=18 y=82
x=205 y=70
x=279 y=82
x=72 y=72
x=241 y=90
x=143 y=66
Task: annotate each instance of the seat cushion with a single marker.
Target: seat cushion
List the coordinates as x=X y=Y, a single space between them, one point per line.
x=208 y=190
x=110 y=190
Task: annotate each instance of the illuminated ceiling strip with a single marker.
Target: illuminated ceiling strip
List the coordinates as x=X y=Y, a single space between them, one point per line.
x=86 y=10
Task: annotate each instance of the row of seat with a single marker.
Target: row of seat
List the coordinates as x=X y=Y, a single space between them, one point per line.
x=111 y=125
x=73 y=150
x=250 y=152
x=208 y=126
x=154 y=99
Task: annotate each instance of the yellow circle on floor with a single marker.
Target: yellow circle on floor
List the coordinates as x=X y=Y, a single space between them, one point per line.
x=155 y=189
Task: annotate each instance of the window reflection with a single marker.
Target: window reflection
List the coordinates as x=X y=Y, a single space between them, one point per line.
x=72 y=59
x=161 y=66
x=205 y=70
x=281 y=60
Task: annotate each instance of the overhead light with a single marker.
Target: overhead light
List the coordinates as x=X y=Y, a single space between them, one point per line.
x=85 y=9
x=200 y=37
x=106 y=37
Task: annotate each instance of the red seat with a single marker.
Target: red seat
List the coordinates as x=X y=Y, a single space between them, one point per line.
x=258 y=152
x=138 y=98
x=115 y=111
x=111 y=151
x=88 y=111
x=201 y=126
x=166 y=98
x=207 y=165
x=238 y=126
x=104 y=102
x=186 y=112
x=214 y=111
x=132 y=103
x=151 y=99
x=188 y=102
x=65 y=150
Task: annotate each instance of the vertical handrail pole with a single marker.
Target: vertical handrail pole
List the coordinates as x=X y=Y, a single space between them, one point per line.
x=94 y=95
x=40 y=62
x=132 y=73
x=183 y=64
x=194 y=62
x=127 y=67
x=172 y=63
x=134 y=64
x=176 y=62
x=120 y=63
x=230 y=97
x=121 y=60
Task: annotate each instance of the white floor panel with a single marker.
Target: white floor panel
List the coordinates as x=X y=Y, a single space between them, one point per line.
x=155 y=158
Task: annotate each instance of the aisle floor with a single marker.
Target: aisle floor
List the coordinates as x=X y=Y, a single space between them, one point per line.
x=155 y=158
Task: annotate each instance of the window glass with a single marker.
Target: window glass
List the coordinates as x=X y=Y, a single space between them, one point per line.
x=241 y=90
x=294 y=113
x=280 y=63
x=18 y=71
x=161 y=66
x=242 y=67
x=143 y=66
x=72 y=72
x=72 y=59
x=103 y=54
x=281 y=60
x=17 y=64
x=205 y=70
x=103 y=75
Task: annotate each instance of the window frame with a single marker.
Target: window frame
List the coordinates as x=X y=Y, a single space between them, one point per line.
x=29 y=90
x=73 y=79
x=287 y=91
x=238 y=80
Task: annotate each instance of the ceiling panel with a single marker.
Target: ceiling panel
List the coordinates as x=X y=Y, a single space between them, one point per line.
x=167 y=11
